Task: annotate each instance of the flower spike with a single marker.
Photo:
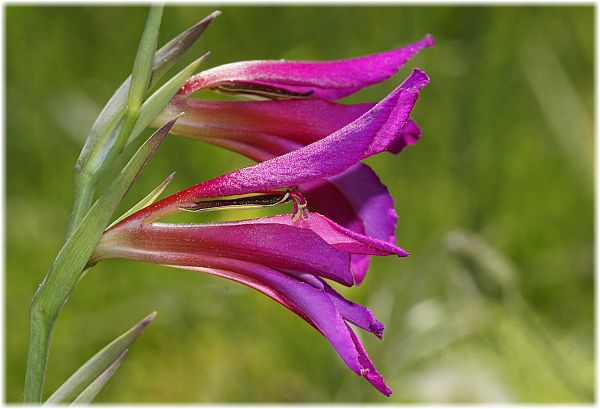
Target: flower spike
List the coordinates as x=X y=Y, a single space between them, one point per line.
x=286 y=258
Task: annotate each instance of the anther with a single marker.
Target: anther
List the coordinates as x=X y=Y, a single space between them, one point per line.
x=242 y=202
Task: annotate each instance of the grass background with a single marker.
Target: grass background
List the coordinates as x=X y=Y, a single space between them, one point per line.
x=495 y=203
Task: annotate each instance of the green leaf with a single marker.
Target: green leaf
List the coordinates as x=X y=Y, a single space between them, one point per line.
x=160 y=99
x=142 y=67
x=94 y=388
x=147 y=201
x=87 y=381
x=77 y=250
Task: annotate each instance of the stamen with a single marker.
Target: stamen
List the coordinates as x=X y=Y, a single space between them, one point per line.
x=260 y=90
x=264 y=200
x=243 y=202
x=300 y=205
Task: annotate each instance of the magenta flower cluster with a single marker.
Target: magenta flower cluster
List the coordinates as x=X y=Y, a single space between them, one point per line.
x=309 y=151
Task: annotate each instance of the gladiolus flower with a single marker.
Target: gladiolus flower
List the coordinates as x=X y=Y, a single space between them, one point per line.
x=288 y=259
x=356 y=199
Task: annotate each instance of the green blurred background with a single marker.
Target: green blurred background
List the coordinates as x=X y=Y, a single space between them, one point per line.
x=495 y=203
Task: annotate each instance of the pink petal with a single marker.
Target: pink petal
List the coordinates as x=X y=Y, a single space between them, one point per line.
x=328 y=80
x=261 y=241
x=272 y=127
x=313 y=305
x=358 y=201
x=338 y=237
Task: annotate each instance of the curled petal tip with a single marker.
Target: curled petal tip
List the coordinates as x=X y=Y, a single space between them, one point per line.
x=416 y=81
x=377 y=329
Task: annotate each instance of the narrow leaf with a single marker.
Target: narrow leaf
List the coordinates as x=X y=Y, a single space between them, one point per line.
x=94 y=388
x=160 y=99
x=92 y=155
x=148 y=200
x=73 y=257
x=142 y=66
x=94 y=374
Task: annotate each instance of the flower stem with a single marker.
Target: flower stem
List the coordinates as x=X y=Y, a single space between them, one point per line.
x=39 y=342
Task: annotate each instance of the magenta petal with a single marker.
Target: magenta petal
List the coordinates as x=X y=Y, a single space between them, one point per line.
x=373 y=204
x=275 y=244
x=411 y=134
x=324 y=197
x=335 y=235
x=356 y=200
x=261 y=124
x=357 y=314
x=302 y=298
x=370 y=134
x=370 y=199
x=368 y=369
x=263 y=130
x=328 y=80
x=312 y=304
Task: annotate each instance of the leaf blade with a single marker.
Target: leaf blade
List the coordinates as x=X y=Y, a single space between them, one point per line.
x=94 y=388
x=100 y=363
x=146 y=201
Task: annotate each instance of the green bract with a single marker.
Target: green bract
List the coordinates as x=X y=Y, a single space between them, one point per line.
x=88 y=380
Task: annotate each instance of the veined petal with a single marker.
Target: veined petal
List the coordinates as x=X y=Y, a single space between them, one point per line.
x=328 y=80
x=315 y=306
x=278 y=245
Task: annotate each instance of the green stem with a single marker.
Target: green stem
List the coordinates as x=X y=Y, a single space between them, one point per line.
x=39 y=342
x=124 y=133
